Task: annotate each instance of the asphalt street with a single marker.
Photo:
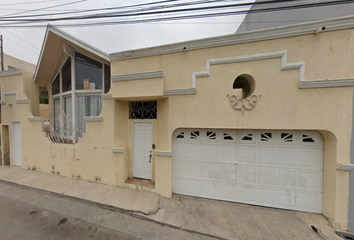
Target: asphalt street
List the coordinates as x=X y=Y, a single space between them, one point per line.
x=19 y=220
x=27 y=213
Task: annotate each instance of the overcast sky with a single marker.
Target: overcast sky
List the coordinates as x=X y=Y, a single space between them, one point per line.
x=25 y=43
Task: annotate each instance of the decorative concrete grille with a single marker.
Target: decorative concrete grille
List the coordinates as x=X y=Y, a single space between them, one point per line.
x=143 y=110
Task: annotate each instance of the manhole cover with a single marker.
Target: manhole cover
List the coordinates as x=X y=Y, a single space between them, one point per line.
x=345 y=235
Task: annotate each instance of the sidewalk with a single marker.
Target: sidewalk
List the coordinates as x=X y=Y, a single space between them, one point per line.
x=214 y=218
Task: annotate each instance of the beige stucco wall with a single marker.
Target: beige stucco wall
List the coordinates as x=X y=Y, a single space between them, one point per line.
x=44 y=111
x=282 y=106
x=17 y=63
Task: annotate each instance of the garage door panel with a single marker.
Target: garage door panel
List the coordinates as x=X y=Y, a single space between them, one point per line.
x=179 y=151
x=287 y=178
x=310 y=180
x=267 y=176
x=247 y=194
x=211 y=189
x=267 y=197
x=211 y=171
x=248 y=175
x=247 y=155
x=179 y=168
x=194 y=152
x=266 y=156
x=228 y=154
x=211 y=152
x=194 y=169
x=286 y=199
x=280 y=169
x=228 y=172
x=180 y=185
x=308 y=201
x=228 y=192
x=287 y=157
x=195 y=187
x=309 y=159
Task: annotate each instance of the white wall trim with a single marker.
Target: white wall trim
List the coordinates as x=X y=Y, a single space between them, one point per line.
x=11 y=72
x=4 y=94
x=69 y=50
x=34 y=119
x=253 y=36
x=163 y=153
x=93 y=119
x=22 y=101
x=106 y=96
x=118 y=150
x=343 y=82
x=181 y=91
x=261 y=56
x=345 y=167
x=137 y=76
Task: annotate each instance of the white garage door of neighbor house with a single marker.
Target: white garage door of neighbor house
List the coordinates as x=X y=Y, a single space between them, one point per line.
x=281 y=169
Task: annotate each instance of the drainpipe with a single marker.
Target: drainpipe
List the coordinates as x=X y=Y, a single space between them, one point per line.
x=2 y=53
x=351 y=203
x=351 y=180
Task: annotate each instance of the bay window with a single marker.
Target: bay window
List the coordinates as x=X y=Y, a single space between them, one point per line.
x=76 y=93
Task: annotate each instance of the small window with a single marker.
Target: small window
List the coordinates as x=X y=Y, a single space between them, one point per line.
x=286 y=137
x=227 y=137
x=243 y=86
x=181 y=135
x=88 y=73
x=107 y=78
x=194 y=134
x=307 y=139
x=66 y=75
x=56 y=85
x=248 y=137
x=143 y=110
x=265 y=137
x=211 y=135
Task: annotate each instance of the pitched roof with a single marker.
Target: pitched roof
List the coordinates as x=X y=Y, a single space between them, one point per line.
x=52 y=51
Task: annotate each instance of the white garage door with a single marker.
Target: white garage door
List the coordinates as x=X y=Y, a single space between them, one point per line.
x=281 y=169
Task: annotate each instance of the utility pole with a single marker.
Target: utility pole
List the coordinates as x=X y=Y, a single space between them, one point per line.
x=2 y=54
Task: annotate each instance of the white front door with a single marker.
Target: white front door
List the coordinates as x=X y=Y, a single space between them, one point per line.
x=16 y=144
x=142 y=150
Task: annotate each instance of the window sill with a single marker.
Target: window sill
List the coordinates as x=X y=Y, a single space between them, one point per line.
x=93 y=119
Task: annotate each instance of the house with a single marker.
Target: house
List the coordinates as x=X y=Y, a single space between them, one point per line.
x=262 y=117
x=11 y=62
x=283 y=13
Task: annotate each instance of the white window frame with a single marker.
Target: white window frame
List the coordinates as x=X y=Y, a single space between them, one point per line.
x=73 y=92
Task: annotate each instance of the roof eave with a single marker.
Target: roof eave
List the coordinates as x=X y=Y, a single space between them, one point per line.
x=72 y=39
x=236 y=38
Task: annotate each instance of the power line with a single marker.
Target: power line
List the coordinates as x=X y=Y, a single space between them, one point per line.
x=21 y=46
x=35 y=10
x=26 y=3
x=136 y=13
x=195 y=16
x=136 y=10
x=129 y=7
x=21 y=39
x=60 y=5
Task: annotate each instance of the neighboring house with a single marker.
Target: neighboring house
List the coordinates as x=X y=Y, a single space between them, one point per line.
x=258 y=19
x=262 y=118
x=11 y=63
